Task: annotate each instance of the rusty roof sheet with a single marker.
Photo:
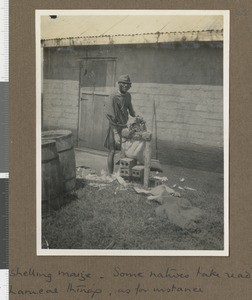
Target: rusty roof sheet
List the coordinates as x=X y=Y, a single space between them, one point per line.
x=90 y=29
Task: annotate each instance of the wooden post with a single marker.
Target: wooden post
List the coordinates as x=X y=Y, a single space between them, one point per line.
x=147 y=162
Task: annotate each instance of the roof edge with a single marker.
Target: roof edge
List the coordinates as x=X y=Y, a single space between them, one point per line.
x=200 y=36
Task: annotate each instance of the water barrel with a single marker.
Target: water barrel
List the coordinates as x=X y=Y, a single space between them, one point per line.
x=65 y=149
x=51 y=177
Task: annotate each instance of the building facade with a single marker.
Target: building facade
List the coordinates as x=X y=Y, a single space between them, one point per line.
x=181 y=77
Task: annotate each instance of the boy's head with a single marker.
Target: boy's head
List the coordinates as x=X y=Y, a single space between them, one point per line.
x=124 y=83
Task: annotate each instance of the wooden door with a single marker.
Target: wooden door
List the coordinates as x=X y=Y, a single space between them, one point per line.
x=97 y=76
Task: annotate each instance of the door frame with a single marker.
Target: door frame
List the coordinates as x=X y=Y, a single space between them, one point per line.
x=81 y=60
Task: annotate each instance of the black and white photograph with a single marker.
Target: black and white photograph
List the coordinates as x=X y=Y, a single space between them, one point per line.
x=132 y=127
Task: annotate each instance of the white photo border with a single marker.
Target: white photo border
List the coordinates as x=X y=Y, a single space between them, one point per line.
x=93 y=252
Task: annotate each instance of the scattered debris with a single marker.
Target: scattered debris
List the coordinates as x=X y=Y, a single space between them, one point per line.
x=155 y=198
x=180 y=187
x=82 y=172
x=180 y=212
x=103 y=172
x=141 y=191
x=104 y=178
x=161 y=189
x=188 y=188
x=174 y=185
x=89 y=174
x=158 y=191
x=120 y=179
x=182 y=179
x=162 y=198
x=162 y=179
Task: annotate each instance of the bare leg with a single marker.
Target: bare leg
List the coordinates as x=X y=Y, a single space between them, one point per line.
x=110 y=161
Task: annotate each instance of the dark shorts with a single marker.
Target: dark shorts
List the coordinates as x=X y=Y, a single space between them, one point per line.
x=110 y=140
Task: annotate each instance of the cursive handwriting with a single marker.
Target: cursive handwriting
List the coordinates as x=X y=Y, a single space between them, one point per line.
x=30 y=272
x=126 y=281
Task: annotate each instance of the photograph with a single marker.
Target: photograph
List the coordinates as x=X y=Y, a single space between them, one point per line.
x=132 y=132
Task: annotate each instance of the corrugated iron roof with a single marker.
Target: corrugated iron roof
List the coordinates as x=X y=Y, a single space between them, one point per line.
x=90 y=29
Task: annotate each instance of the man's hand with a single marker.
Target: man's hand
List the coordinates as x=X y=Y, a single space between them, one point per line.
x=139 y=118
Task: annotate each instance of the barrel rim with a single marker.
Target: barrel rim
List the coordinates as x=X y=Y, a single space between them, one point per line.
x=56 y=134
x=47 y=141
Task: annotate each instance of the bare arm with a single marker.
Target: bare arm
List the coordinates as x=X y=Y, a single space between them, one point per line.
x=131 y=110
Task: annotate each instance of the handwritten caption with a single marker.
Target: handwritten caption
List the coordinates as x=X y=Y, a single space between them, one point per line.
x=165 y=281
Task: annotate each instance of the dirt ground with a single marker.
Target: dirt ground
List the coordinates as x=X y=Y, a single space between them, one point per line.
x=112 y=217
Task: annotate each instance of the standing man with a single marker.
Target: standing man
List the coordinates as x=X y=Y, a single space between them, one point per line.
x=117 y=111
